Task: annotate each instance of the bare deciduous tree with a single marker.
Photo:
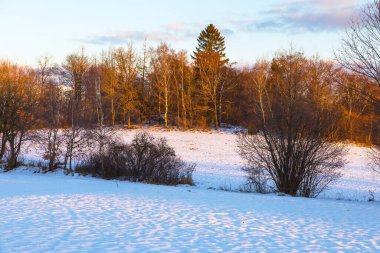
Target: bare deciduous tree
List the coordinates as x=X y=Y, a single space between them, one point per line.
x=18 y=101
x=360 y=51
x=361 y=46
x=161 y=64
x=293 y=147
x=51 y=103
x=108 y=78
x=182 y=75
x=101 y=135
x=75 y=136
x=212 y=83
x=126 y=73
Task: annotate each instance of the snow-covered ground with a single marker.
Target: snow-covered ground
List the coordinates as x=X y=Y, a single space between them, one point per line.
x=218 y=164
x=56 y=213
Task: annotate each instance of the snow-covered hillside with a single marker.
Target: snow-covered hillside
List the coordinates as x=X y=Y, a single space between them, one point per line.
x=56 y=213
x=218 y=164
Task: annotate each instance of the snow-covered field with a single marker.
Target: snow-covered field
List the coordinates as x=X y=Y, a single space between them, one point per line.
x=55 y=213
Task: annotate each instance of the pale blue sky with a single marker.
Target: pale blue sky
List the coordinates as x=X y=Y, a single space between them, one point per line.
x=253 y=29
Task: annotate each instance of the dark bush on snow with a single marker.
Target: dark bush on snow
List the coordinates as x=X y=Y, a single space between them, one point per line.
x=146 y=159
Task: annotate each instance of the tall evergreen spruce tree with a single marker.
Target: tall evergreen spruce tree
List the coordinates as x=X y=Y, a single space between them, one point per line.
x=210 y=41
x=210 y=60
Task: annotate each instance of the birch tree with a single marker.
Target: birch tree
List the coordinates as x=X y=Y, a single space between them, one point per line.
x=162 y=72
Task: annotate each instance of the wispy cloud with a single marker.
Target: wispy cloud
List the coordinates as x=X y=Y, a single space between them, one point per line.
x=285 y=16
x=132 y=36
x=297 y=16
x=176 y=31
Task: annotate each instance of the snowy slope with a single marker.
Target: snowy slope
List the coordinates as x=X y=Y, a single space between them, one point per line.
x=218 y=164
x=56 y=213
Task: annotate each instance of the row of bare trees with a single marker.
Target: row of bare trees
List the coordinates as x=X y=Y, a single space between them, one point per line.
x=162 y=87
x=156 y=87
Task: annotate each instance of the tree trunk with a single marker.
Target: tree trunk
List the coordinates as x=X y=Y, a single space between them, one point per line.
x=216 y=115
x=166 y=105
x=178 y=107
x=3 y=145
x=12 y=160
x=220 y=111
x=113 y=112
x=184 y=123
x=159 y=107
x=129 y=120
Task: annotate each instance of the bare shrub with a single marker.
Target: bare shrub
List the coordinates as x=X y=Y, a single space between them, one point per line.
x=304 y=168
x=108 y=165
x=146 y=159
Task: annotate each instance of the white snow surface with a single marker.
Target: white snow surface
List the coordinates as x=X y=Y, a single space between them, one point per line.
x=57 y=213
